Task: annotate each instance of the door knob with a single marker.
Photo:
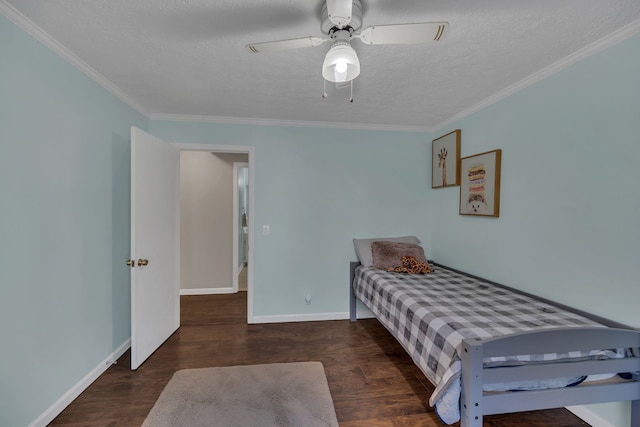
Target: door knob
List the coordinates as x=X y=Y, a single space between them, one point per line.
x=143 y=261
x=131 y=263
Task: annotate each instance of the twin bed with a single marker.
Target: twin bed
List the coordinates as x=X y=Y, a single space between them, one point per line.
x=478 y=341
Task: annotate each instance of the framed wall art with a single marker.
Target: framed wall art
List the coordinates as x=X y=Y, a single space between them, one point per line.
x=445 y=160
x=480 y=184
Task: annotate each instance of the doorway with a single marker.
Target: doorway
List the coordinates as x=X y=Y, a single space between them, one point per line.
x=239 y=160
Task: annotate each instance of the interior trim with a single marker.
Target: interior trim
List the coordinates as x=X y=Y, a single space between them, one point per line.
x=579 y=55
x=289 y=123
x=312 y=317
x=250 y=150
x=15 y=16
x=42 y=36
x=207 y=291
x=588 y=416
x=54 y=410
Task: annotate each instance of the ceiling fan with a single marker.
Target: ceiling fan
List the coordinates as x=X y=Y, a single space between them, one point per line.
x=341 y=21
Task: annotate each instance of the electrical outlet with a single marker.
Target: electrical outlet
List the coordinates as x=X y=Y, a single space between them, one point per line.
x=307 y=298
x=265 y=230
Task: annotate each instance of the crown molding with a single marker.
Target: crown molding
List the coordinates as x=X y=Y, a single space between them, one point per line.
x=15 y=16
x=43 y=37
x=289 y=123
x=46 y=39
x=598 y=46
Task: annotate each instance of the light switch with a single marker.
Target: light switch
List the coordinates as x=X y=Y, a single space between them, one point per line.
x=265 y=230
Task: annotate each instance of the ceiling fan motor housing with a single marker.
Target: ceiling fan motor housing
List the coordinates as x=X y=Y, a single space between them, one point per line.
x=326 y=25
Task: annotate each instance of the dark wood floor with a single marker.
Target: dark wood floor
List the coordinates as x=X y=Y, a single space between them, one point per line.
x=372 y=380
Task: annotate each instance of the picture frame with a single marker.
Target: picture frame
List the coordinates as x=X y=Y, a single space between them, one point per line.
x=445 y=160
x=480 y=184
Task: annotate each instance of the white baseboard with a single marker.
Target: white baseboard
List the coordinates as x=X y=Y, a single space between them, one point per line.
x=313 y=317
x=588 y=416
x=207 y=291
x=284 y=318
x=54 y=410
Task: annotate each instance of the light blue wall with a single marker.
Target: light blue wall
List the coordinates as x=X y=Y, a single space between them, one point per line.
x=570 y=207
x=317 y=189
x=64 y=225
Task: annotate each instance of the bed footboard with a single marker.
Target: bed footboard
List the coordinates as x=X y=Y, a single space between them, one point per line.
x=474 y=403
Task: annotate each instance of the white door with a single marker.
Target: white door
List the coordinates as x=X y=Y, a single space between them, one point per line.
x=155 y=244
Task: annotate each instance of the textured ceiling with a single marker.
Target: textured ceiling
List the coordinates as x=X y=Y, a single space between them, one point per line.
x=187 y=57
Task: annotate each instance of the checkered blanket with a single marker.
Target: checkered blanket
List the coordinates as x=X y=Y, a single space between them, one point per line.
x=431 y=314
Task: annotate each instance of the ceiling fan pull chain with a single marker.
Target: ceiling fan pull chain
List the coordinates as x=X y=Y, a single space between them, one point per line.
x=324 y=88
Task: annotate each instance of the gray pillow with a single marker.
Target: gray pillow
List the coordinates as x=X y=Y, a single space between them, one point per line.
x=363 y=247
x=388 y=255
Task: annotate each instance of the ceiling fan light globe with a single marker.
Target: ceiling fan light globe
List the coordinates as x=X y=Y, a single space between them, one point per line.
x=341 y=64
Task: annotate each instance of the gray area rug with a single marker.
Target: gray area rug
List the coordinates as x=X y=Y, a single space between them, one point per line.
x=279 y=394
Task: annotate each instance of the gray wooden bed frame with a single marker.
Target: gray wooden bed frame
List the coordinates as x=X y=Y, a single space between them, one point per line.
x=474 y=403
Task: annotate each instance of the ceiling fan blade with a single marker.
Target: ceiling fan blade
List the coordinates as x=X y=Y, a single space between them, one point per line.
x=285 y=44
x=424 y=32
x=339 y=12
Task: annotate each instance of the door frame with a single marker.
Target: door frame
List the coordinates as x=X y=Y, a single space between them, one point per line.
x=250 y=151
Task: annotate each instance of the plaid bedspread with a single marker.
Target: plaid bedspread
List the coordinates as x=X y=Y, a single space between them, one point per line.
x=431 y=314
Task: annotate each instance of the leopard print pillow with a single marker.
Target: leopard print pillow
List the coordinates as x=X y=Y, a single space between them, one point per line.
x=412 y=265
